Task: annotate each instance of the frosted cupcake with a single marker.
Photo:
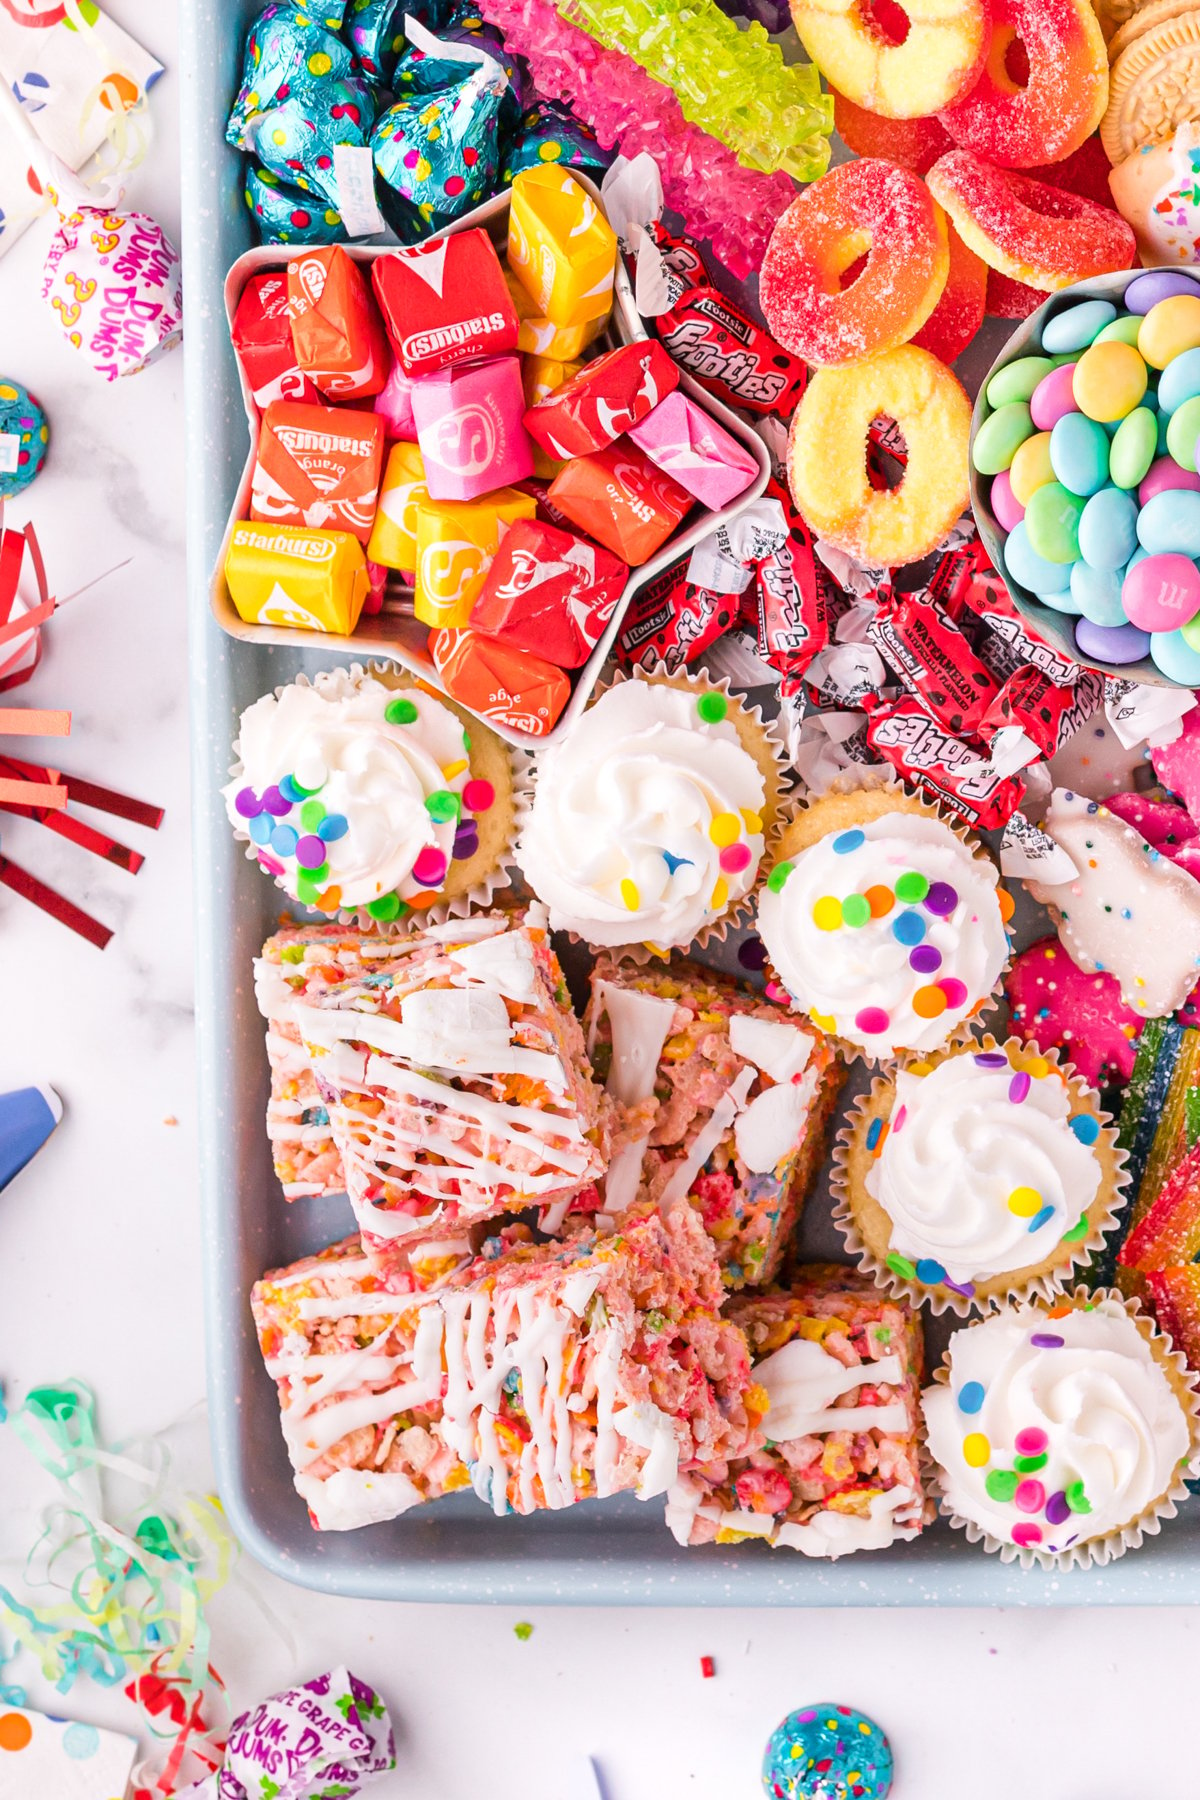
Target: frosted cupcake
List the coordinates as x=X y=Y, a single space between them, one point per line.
x=1061 y=1435
x=882 y=922
x=976 y=1175
x=367 y=797
x=650 y=821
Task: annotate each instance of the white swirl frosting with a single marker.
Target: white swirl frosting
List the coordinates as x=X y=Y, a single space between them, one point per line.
x=1055 y=1429
x=980 y=1170
x=859 y=975
x=368 y=774
x=646 y=822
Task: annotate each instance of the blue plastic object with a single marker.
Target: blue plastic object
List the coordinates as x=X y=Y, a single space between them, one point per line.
x=27 y=1117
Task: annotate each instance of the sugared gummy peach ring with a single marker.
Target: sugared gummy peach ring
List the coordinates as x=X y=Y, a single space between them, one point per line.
x=870 y=209
x=1027 y=230
x=904 y=74
x=1020 y=126
x=827 y=456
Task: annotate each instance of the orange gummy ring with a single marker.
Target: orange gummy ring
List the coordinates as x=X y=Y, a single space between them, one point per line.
x=1019 y=124
x=915 y=144
x=827 y=456
x=902 y=61
x=866 y=209
x=959 y=313
x=1029 y=231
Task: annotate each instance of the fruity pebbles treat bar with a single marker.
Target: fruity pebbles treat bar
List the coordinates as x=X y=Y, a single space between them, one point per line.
x=719 y=1100
x=452 y=1073
x=837 y=1371
x=539 y=1374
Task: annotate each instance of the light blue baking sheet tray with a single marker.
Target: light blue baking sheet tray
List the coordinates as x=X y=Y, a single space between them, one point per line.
x=618 y=1552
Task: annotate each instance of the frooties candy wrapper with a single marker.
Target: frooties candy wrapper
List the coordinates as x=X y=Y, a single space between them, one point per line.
x=618 y=497
x=698 y=453
x=511 y=687
x=469 y=428
x=114 y=282
x=54 y=1759
x=549 y=592
x=672 y=621
x=609 y=396
x=330 y=1737
x=437 y=149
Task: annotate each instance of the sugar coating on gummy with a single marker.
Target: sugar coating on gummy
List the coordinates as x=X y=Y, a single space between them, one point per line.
x=1051 y=114
x=827 y=1752
x=1026 y=229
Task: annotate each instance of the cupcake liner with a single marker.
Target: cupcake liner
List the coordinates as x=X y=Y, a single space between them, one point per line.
x=1040 y=1282
x=870 y=779
x=1101 y=1550
x=481 y=894
x=739 y=912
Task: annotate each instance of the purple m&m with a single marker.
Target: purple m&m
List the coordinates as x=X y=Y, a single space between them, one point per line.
x=1116 y=644
x=1145 y=291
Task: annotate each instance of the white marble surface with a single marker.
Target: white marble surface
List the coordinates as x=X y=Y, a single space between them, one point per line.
x=99 y=1273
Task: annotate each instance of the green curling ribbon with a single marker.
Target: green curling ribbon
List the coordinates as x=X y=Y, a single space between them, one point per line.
x=733 y=84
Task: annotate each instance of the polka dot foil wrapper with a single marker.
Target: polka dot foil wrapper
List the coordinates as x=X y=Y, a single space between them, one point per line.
x=24 y=437
x=827 y=1752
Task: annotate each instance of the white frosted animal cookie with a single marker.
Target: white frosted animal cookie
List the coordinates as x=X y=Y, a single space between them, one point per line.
x=1129 y=911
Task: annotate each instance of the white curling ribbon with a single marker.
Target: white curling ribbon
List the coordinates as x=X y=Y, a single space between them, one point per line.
x=1026 y=852
x=489 y=76
x=1011 y=749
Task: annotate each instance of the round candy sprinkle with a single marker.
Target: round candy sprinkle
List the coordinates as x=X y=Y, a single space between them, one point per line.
x=900 y=1265
x=260 y=828
x=846 y=841
x=466 y=842
x=429 y=870
x=1026 y=1533
x=291 y=790
x=1040 y=1218
x=778 y=876
x=827 y=1752
x=274 y=802
x=971 y=1397
x=751 y=954
x=479 y=796
x=1030 y=1496
x=929 y=1002
x=925 y=959
x=734 y=858
x=1000 y=1484
x=871 y=1020
x=954 y=991
x=400 y=711
x=269 y=864
x=856 y=910
x=930 y=1272
x=1057 y=1510
x=333 y=827
x=1085 y=1127
x=310 y=852
x=1024 y=1202
x=388 y=906
x=991 y=1059
x=909 y=928
x=1046 y=1340
x=874 y=1130
x=726 y=828
x=911 y=887
x=941 y=899
x=827 y=913
x=1079 y=1230
x=630 y=898
x=443 y=806
x=1076 y=1499
x=1029 y=1465
x=1031 y=1441
x=311 y=814
x=881 y=901
x=720 y=894
x=247 y=804
x=712 y=708
x=1019 y=1086
x=976 y=1449
x=284 y=839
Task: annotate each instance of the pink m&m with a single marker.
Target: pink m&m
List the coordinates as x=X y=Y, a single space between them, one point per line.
x=1163 y=474
x=1161 y=593
x=1007 y=508
x=1053 y=398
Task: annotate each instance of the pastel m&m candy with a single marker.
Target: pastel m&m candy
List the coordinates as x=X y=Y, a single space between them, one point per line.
x=1133 y=447
x=1169 y=329
x=1162 y=593
x=1108 y=529
x=1000 y=437
x=1170 y=521
x=1031 y=467
x=1053 y=397
x=1052 y=520
x=1078 y=454
x=1077 y=326
x=1178 y=660
x=1109 y=380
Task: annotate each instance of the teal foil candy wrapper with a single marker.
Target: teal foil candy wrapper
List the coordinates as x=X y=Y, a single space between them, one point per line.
x=286 y=53
x=374 y=30
x=435 y=57
x=550 y=134
x=330 y=1737
x=296 y=139
x=437 y=151
x=24 y=435
x=287 y=215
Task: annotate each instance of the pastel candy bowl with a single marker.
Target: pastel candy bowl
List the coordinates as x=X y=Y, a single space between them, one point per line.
x=1057 y=628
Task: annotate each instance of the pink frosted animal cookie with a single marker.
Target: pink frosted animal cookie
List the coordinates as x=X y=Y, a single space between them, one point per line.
x=1163 y=824
x=1059 y=1006
x=1177 y=765
x=1129 y=911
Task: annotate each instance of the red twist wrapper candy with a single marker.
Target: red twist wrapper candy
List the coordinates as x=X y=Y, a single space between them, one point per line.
x=618 y=497
x=262 y=337
x=731 y=355
x=685 y=267
x=336 y=328
x=609 y=396
x=445 y=301
x=1047 y=712
x=966 y=579
x=904 y=734
x=672 y=621
x=933 y=659
x=549 y=592
x=798 y=598
x=512 y=687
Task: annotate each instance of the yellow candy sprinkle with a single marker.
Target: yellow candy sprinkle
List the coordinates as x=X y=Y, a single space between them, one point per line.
x=976 y=1449
x=751 y=821
x=629 y=895
x=726 y=828
x=1037 y=1066
x=453 y=769
x=824 y=1021
x=720 y=894
x=827 y=914
x=1024 y=1201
